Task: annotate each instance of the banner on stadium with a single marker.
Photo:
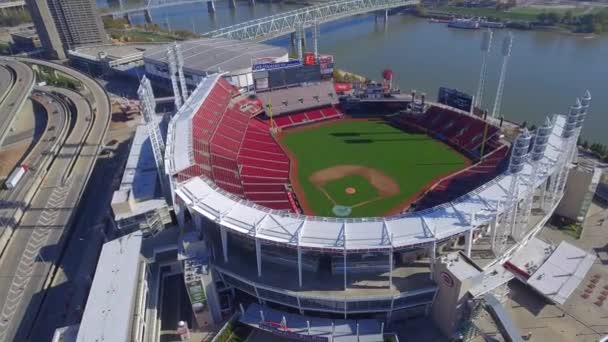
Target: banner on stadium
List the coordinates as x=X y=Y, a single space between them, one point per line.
x=275 y=65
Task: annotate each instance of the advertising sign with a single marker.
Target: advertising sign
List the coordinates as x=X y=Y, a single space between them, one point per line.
x=277 y=65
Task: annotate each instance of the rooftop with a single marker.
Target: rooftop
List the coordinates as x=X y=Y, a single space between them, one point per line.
x=114 y=51
x=563 y=271
x=107 y=315
x=211 y=55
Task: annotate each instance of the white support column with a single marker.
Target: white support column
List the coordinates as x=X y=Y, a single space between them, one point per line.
x=181 y=215
x=198 y=221
x=390 y=265
x=300 y=266
x=258 y=256
x=433 y=258
x=224 y=236
x=543 y=194
x=493 y=225
x=468 y=242
x=345 y=285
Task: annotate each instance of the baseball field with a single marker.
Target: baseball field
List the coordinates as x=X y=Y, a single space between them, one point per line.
x=359 y=168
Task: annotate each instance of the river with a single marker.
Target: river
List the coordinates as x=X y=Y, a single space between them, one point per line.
x=546 y=71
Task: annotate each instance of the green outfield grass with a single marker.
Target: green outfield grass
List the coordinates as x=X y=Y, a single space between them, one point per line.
x=411 y=160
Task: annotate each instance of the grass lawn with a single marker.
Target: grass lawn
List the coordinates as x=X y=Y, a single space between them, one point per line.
x=411 y=160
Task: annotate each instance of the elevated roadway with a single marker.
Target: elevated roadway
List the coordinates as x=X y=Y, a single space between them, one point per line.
x=29 y=261
x=39 y=157
x=16 y=83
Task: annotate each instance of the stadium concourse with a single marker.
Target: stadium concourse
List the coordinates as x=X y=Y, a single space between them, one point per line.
x=231 y=181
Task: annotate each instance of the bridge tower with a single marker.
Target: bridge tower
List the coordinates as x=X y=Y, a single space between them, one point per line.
x=507 y=46
x=211 y=6
x=486 y=45
x=148 y=108
x=172 y=74
x=298 y=34
x=505 y=223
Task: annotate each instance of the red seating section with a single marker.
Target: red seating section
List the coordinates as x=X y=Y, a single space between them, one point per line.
x=288 y=120
x=265 y=168
x=465 y=133
x=237 y=152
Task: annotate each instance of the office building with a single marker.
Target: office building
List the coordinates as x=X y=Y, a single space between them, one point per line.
x=66 y=24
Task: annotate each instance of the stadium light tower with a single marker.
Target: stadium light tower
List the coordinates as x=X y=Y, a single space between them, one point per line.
x=541 y=140
x=148 y=108
x=505 y=224
x=172 y=71
x=507 y=46
x=571 y=132
x=486 y=45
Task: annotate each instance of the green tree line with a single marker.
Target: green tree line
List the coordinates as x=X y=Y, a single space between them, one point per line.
x=587 y=23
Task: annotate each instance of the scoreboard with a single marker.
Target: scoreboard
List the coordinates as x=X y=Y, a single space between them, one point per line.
x=287 y=76
x=455 y=99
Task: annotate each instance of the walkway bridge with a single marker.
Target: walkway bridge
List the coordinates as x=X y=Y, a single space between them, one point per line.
x=280 y=24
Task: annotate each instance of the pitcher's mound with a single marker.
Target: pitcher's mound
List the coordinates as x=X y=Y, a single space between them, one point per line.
x=350 y=191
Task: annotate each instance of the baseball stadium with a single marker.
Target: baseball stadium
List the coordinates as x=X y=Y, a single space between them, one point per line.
x=311 y=207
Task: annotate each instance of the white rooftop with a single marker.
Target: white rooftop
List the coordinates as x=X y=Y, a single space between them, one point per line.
x=108 y=312
x=561 y=274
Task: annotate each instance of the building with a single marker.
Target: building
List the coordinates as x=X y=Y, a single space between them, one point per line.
x=138 y=204
x=112 y=59
x=209 y=56
x=386 y=268
x=581 y=186
x=66 y=24
x=26 y=40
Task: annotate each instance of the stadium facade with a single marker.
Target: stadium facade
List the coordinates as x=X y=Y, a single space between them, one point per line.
x=264 y=250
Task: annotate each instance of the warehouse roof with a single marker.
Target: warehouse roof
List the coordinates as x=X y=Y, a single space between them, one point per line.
x=211 y=55
x=107 y=315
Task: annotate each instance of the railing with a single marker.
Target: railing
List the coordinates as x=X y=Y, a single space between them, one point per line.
x=336 y=303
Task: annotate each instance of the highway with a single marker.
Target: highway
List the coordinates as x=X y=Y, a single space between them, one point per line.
x=28 y=264
x=14 y=91
x=38 y=157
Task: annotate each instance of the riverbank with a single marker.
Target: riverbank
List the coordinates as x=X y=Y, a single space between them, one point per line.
x=578 y=20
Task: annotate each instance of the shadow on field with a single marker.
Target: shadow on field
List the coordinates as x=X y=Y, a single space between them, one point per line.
x=369 y=141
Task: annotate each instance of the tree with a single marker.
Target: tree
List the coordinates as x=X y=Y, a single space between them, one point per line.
x=585 y=144
x=568 y=17
x=420 y=11
x=553 y=18
x=542 y=17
